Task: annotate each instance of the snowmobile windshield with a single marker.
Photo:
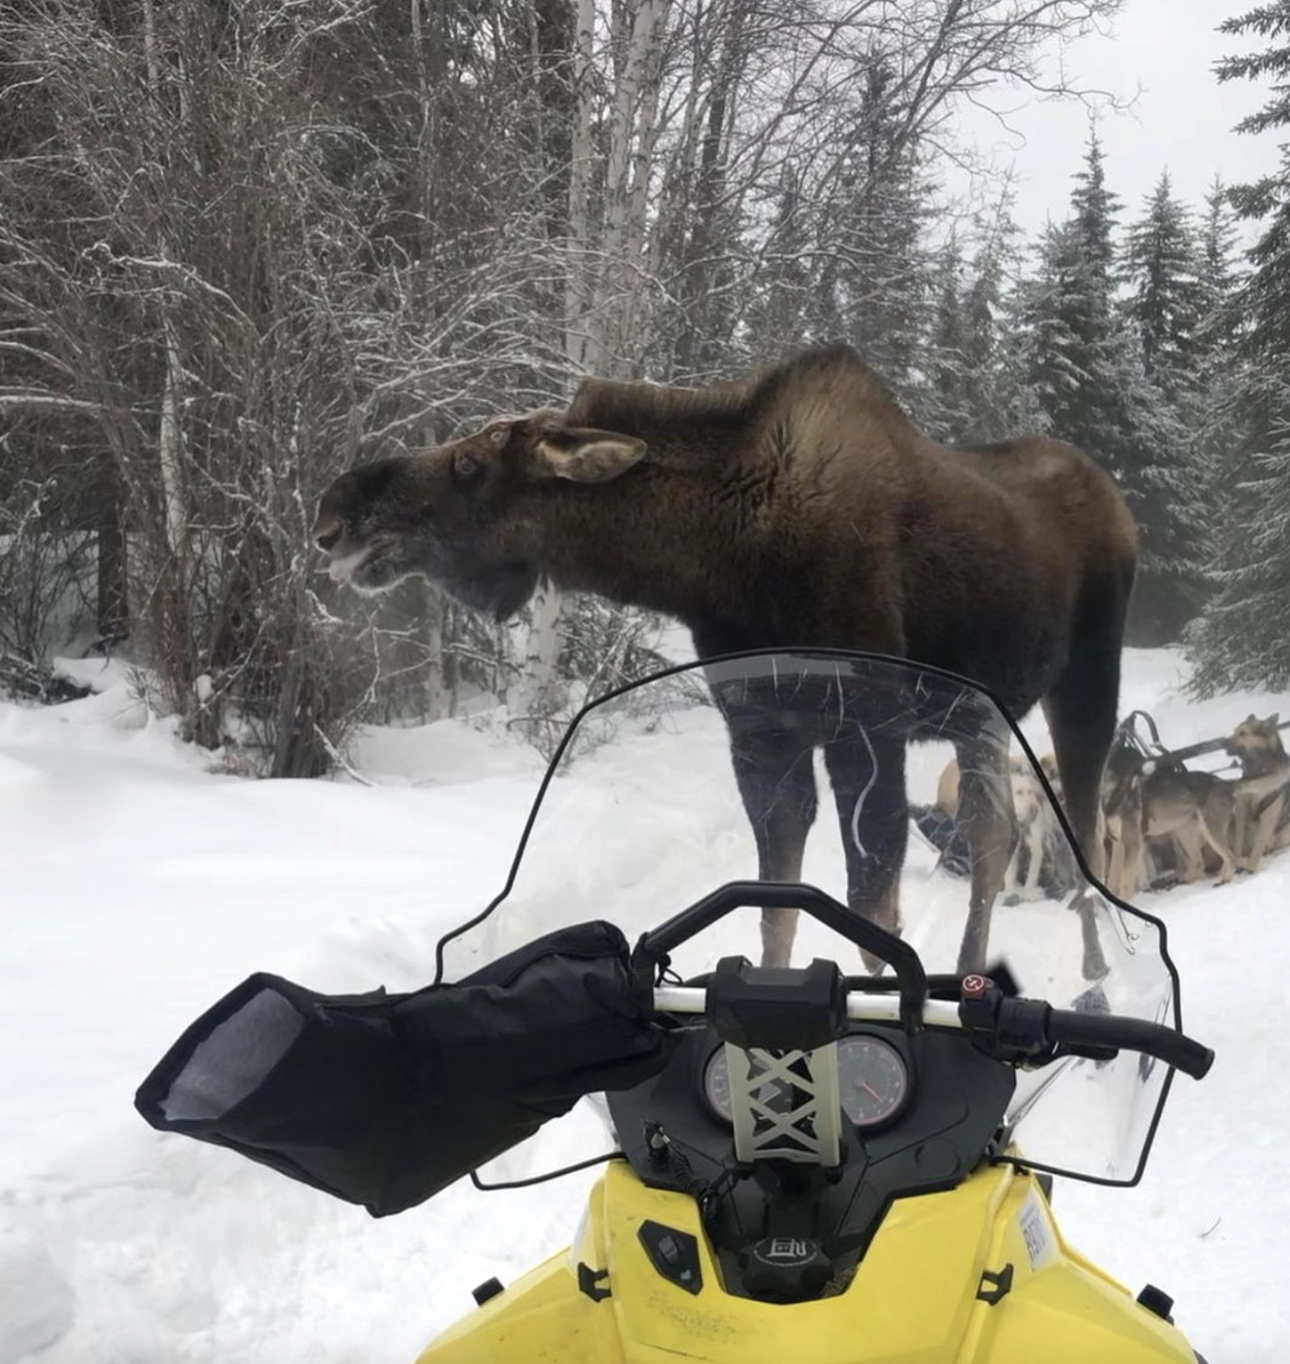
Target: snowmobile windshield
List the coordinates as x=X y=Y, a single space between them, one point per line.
x=723 y=770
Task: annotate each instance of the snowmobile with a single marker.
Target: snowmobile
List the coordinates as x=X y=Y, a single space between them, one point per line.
x=822 y=1163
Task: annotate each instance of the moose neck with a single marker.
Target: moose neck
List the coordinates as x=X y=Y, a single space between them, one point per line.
x=707 y=527
x=660 y=537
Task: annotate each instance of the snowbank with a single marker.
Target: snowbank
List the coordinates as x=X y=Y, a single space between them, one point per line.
x=138 y=886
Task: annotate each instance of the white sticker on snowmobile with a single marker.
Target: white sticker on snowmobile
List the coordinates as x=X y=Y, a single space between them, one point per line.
x=1037 y=1232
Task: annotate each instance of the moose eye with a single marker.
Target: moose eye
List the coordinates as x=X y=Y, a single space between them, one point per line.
x=466 y=467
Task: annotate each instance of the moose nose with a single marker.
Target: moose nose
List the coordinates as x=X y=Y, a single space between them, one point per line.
x=327 y=531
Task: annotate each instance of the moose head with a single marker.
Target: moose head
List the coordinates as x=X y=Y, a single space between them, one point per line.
x=474 y=516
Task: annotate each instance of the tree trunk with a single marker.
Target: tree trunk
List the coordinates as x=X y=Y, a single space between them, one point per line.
x=579 y=343
x=112 y=613
x=533 y=692
x=631 y=128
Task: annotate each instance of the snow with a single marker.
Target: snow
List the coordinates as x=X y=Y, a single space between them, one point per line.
x=140 y=883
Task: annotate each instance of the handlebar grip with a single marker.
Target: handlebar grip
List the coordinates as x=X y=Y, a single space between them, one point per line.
x=1133 y=1034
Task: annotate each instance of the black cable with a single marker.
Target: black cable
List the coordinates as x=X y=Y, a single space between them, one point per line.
x=542 y=1179
x=665 y=1155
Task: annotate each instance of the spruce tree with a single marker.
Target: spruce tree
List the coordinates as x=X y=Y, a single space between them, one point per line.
x=1167 y=300
x=946 y=410
x=782 y=315
x=1165 y=307
x=1244 y=637
x=1220 y=426
x=1095 y=386
x=997 y=400
x=877 y=285
x=1080 y=360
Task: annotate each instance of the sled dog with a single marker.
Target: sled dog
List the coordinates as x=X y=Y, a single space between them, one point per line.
x=1159 y=820
x=1262 y=821
x=1193 y=810
x=1041 y=862
x=1125 y=845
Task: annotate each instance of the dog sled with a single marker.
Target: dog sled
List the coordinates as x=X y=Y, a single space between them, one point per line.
x=1166 y=820
x=1169 y=823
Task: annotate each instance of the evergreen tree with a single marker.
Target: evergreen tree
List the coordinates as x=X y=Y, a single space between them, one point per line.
x=979 y=391
x=1168 y=298
x=1220 y=277
x=1101 y=387
x=946 y=410
x=1244 y=637
x=781 y=313
x=1219 y=423
x=1080 y=360
x=876 y=286
x=1165 y=306
x=1000 y=403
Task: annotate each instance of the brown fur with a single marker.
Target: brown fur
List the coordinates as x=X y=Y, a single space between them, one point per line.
x=802 y=509
x=947 y=784
x=1125 y=845
x=1263 y=792
x=1041 y=840
x=1160 y=813
x=1195 y=810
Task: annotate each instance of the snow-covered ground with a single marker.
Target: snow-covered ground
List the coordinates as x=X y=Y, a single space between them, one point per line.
x=137 y=887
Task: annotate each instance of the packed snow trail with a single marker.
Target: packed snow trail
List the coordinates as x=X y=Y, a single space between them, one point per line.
x=138 y=887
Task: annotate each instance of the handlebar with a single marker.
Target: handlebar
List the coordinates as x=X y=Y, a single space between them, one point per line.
x=862 y=1006
x=1017 y=1029
x=653 y=949
x=1113 y=1031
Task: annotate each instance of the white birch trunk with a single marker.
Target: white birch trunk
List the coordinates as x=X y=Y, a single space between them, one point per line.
x=170 y=453
x=170 y=435
x=437 y=701
x=579 y=344
x=533 y=692
x=631 y=126
x=634 y=237
x=538 y=650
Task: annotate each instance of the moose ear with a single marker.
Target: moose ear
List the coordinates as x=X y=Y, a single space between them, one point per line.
x=588 y=456
x=1274 y=720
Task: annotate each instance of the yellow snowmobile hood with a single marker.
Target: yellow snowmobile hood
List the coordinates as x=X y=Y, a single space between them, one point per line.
x=975 y=1274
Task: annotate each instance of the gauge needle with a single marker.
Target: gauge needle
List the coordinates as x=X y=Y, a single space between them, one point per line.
x=870 y=1090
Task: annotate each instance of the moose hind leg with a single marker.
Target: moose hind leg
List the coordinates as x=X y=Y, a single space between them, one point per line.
x=775 y=773
x=986 y=814
x=867 y=772
x=1081 y=711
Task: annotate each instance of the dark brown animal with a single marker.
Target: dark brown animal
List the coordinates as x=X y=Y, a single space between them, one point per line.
x=803 y=508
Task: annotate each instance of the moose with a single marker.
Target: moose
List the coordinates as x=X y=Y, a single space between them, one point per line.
x=802 y=508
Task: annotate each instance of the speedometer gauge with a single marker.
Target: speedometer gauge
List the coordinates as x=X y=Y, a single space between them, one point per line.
x=873 y=1081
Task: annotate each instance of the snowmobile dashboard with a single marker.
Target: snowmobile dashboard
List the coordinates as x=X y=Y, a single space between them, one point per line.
x=794 y=1106
x=921 y=1112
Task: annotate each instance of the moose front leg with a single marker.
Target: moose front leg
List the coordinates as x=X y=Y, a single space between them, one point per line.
x=867 y=771
x=776 y=776
x=987 y=818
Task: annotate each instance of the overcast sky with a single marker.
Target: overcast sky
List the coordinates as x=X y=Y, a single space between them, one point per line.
x=1182 y=118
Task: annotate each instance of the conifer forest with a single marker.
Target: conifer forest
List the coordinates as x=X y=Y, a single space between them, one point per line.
x=245 y=244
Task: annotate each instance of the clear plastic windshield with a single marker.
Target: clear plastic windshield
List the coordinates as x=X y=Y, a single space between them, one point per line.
x=881 y=783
